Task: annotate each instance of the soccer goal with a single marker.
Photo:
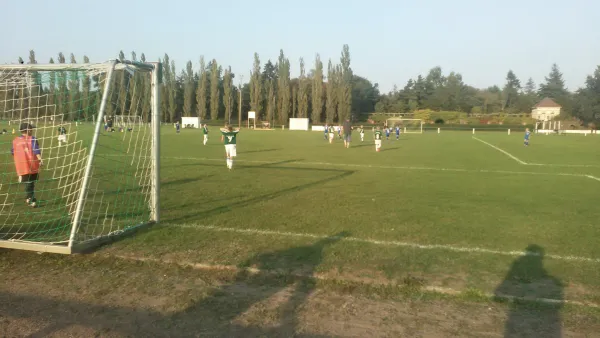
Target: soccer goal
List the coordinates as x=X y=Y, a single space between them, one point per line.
x=414 y=126
x=91 y=185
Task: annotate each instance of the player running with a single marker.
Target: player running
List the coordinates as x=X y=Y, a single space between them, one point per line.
x=527 y=134
x=361 y=131
x=62 y=136
x=387 y=133
x=397 y=132
x=331 y=134
x=229 y=136
x=205 y=132
x=325 y=131
x=339 y=130
x=177 y=126
x=28 y=160
x=378 y=137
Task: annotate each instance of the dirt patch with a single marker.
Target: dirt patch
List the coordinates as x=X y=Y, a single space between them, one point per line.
x=59 y=297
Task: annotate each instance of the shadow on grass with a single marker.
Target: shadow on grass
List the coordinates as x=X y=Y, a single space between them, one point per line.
x=212 y=316
x=340 y=174
x=388 y=149
x=258 y=151
x=528 y=279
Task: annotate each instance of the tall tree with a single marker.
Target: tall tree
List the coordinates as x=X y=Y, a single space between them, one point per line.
x=294 y=112
x=332 y=88
x=511 y=91
x=86 y=83
x=166 y=88
x=587 y=103
x=215 y=74
x=189 y=89
x=256 y=95
x=283 y=88
x=555 y=88
x=62 y=92
x=303 y=86
x=145 y=98
x=123 y=88
x=173 y=94
x=202 y=91
x=73 y=92
x=227 y=99
x=317 y=91
x=271 y=101
x=345 y=85
x=34 y=91
x=50 y=106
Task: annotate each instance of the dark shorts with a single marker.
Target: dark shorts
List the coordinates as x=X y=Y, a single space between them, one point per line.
x=28 y=178
x=348 y=137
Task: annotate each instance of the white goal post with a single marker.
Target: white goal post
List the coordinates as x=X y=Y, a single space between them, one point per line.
x=94 y=185
x=414 y=126
x=299 y=124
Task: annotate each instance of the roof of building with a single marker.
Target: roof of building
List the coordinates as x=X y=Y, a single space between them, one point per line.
x=547 y=103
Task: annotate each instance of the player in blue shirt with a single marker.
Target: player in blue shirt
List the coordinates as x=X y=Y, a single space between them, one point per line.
x=325 y=131
x=527 y=133
x=387 y=133
x=397 y=132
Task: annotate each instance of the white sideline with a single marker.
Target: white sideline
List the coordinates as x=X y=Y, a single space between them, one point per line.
x=324 y=277
x=500 y=150
x=384 y=243
x=385 y=167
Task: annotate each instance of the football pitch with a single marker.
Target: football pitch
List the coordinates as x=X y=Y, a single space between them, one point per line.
x=450 y=210
x=450 y=214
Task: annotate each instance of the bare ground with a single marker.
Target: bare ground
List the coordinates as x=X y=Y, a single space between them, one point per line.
x=50 y=296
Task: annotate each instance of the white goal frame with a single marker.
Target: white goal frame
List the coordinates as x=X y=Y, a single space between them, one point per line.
x=395 y=120
x=107 y=68
x=127 y=121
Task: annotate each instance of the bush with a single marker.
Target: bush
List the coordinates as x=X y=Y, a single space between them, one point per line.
x=439 y=121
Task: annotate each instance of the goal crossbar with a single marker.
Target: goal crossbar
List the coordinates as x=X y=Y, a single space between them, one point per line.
x=407 y=125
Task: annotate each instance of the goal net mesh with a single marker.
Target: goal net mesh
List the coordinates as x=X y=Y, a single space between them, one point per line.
x=407 y=125
x=62 y=104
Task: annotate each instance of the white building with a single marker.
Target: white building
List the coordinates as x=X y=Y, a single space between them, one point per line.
x=545 y=110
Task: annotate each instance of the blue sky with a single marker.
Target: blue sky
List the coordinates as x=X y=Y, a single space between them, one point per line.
x=390 y=41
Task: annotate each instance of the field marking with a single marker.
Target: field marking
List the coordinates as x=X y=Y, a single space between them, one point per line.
x=593 y=177
x=385 y=243
x=384 y=167
x=324 y=277
x=502 y=151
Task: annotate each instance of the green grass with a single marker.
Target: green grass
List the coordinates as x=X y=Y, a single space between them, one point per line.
x=443 y=189
x=429 y=189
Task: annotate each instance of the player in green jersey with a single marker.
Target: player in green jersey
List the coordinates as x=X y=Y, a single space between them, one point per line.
x=361 y=131
x=229 y=137
x=378 y=138
x=205 y=132
x=62 y=136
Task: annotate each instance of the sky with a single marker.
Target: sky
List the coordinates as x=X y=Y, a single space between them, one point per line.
x=390 y=41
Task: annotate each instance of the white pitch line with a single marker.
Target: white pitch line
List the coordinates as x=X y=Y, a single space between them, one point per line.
x=384 y=167
x=500 y=150
x=593 y=177
x=326 y=278
x=385 y=243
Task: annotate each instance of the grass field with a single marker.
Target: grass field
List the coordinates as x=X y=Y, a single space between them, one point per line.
x=450 y=213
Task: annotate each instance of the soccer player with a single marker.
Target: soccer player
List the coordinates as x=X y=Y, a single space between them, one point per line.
x=331 y=134
x=527 y=133
x=362 y=133
x=28 y=160
x=325 y=131
x=387 y=133
x=229 y=136
x=339 y=130
x=177 y=126
x=397 y=132
x=378 y=138
x=205 y=132
x=62 y=136
x=347 y=133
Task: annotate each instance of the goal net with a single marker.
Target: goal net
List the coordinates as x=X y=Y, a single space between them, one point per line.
x=406 y=125
x=67 y=185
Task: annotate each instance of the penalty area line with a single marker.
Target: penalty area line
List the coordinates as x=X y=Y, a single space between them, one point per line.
x=501 y=150
x=442 y=247
x=348 y=165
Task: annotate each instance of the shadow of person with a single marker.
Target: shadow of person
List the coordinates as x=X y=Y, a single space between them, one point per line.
x=288 y=273
x=528 y=280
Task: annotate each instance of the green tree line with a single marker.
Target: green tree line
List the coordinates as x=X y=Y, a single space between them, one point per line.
x=323 y=95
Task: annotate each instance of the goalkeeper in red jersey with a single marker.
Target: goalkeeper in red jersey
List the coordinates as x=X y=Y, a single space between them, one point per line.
x=28 y=160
